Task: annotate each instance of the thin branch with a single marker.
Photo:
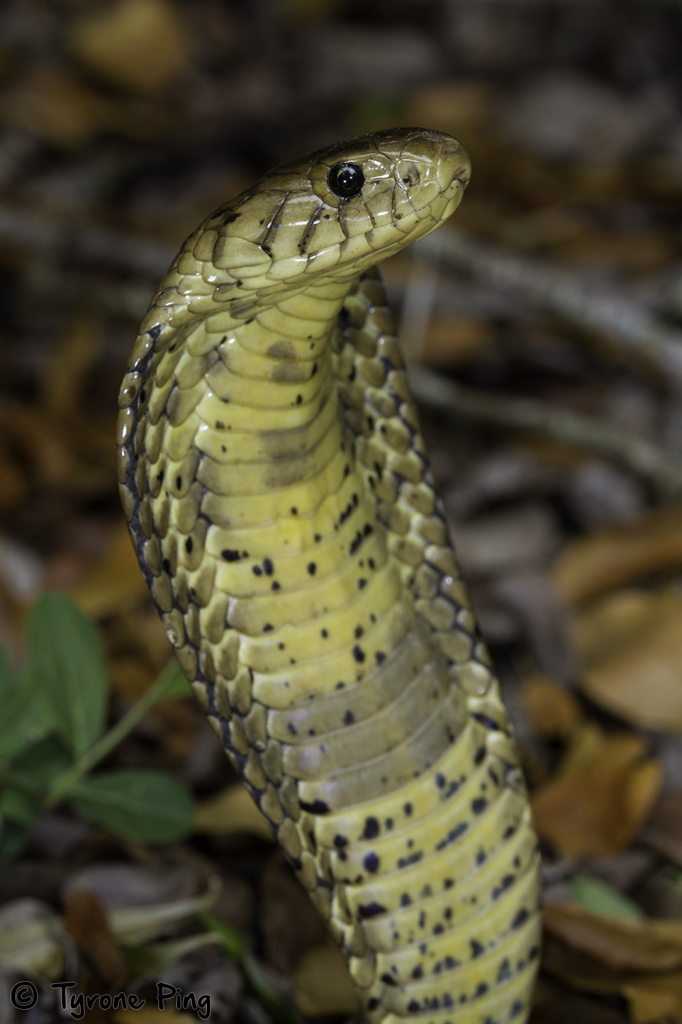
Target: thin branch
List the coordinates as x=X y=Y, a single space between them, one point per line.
x=460 y=402
x=625 y=321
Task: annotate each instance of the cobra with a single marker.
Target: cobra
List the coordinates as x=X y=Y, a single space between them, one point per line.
x=278 y=492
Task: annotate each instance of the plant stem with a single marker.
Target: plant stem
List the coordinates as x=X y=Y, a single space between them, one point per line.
x=99 y=750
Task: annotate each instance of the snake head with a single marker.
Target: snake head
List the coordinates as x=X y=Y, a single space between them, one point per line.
x=333 y=214
x=344 y=207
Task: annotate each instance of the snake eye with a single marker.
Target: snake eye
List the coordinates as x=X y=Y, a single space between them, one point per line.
x=346 y=180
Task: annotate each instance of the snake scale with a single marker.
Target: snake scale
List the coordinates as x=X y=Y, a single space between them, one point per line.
x=277 y=490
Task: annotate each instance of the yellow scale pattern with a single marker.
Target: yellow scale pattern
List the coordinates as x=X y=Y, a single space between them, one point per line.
x=277 y=489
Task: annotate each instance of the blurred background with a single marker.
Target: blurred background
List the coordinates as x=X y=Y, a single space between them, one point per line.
x=544 y=331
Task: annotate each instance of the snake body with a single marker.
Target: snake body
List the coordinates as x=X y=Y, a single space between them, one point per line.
x=277 y=490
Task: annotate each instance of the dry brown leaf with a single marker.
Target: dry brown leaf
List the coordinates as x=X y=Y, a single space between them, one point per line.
x=663 y=828
x=553 y=710
x=454 y=339
x=596 y=807
x=609 y=622
x=115 y=583
x=56 y=107
x=647 y=1005
x=64 y=373
x=620 y=945
x=620 y=555
x=632 y=648
x=645 y=252
x=142 y=45
x=459 y=107
x=322 y=983
x=152 y=1015
x=85 y=920
x=230 y=811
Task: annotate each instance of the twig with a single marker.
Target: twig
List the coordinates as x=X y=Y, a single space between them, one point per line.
x=638 y=456
x=146 y=256
x=554 y=289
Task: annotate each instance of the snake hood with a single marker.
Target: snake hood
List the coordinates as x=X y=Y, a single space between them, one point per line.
x=278 y=491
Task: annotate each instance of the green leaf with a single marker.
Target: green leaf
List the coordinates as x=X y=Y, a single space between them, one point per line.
x=175 y=683
x=603 y=899
x=67 y=655
x=147 y=806
x=39 y=765
x=27 y=714
x=6 y=670
x=17 y=806
x=13 y=839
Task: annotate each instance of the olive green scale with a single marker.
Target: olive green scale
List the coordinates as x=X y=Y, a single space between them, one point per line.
x=277 y=489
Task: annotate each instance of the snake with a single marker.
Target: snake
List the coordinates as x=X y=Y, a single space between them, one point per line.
x=278 y=492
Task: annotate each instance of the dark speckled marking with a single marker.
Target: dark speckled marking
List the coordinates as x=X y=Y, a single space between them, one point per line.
x=372 y=828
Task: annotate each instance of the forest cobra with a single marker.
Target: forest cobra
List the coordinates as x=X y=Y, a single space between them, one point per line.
x=278 y=492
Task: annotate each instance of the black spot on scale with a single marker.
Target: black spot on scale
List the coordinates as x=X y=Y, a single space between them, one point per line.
x=519 y=918
x=438 y=929
x=489 y=723
x=317 y=538
x=230 y=555
x=358 y=632
x=418 y=972
x=340 y=841
x=362 y=584
x=479 y=805
x=268 y=627
x=413 y=1005
x=313 y=840
x=517 y=1008
x=358 y=653
x=405 y=899
x=380 y=657
x=505 y=972
x=440 y=780
x=388 y=979
x=189 y=544
x=371 y=862
x=408 y=809
x=312 y=568
x=348 y=718
x=452 y=835
x=275 y=585
x=316 y=807
x=372 y=909
x=372 y=1003
x=268 y=567
x=178 y=482
x=324 y=634
x=372 y=828
x=479 y=755
x=481 y=989
x=355 y=543
x=166 y=565
x=477 y=949
x=299 y=399
x=256 y=570
x=230 y=220
x=481 y=856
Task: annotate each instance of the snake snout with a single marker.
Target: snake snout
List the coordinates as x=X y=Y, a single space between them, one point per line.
x=453 y=166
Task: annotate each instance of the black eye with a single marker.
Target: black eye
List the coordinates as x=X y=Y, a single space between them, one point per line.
x=346 y=180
